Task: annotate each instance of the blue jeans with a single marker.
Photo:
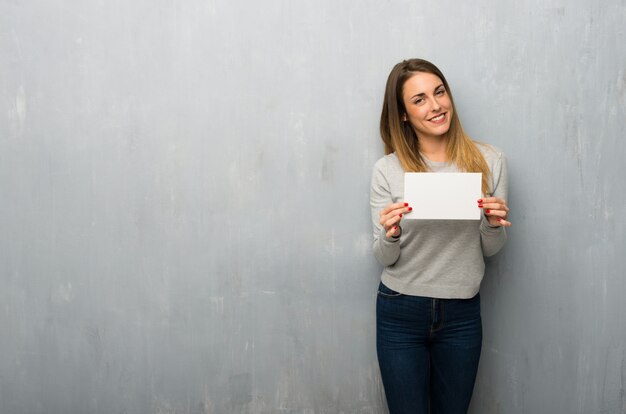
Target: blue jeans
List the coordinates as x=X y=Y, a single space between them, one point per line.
x=428 y=351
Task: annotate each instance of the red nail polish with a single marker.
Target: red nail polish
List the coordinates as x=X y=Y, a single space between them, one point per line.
x=406 y=204
x=400 y=214
x=410 y=208
x=487 y=211
x=480 y=200
x=480 y=205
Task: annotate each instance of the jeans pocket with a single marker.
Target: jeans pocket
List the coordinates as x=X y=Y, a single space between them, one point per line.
x=384 y=291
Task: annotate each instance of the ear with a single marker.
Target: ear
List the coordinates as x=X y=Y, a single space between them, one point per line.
x=404 y=118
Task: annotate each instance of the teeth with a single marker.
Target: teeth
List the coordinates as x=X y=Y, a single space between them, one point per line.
x=437 y=118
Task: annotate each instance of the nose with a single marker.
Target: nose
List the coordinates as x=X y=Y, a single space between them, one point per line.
x=435 y=107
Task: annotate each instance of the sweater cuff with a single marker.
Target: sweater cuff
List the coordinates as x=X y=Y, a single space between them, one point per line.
x=486 y=228
x=388 y=240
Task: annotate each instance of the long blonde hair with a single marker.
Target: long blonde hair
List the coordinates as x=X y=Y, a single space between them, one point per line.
x=400 y=137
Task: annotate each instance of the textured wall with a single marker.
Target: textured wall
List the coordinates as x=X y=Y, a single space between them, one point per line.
x=184 y=223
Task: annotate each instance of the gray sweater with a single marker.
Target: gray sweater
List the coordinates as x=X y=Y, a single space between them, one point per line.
x=434 y=258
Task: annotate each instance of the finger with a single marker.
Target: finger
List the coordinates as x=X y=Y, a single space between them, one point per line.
x=491 y=200
x=496 y=213
x=494 y=203
x=498 y=221
x=504 y=223
x=393 y=213
x=392 y=222
x=391 y=207
x=385 y=219
x=494 y=206
x=392 y=231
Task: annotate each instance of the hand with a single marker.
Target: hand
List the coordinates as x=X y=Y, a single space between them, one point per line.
x=496 y=211
x=390 y=217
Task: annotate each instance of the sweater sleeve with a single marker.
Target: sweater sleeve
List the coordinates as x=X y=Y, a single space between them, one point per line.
x=493 y=238
x=386 y=250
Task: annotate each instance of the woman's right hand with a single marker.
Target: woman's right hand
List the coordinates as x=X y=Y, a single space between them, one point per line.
x=390 y=217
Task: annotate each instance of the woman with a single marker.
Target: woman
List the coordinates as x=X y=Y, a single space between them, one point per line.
x=428 y=324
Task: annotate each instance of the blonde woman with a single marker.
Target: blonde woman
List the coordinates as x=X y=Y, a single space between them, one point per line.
x=428 y=324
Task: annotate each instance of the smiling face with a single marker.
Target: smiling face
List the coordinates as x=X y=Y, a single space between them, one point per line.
x=428 y=105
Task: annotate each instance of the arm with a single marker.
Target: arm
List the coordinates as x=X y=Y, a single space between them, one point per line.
x=386 y=249
x=492 y=231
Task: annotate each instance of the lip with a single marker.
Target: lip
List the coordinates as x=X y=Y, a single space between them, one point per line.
x=439 y=121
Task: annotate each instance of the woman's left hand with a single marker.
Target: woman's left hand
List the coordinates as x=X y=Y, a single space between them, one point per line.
x=495 y=210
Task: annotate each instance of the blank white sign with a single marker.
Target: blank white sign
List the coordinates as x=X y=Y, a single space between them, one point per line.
x=443 y=196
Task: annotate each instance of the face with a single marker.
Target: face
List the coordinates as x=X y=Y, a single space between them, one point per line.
x=428 y=105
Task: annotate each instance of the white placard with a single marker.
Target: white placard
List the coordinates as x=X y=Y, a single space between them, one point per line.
x=443 y=196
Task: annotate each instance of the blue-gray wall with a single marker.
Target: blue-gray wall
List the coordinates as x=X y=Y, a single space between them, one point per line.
x=184 y=219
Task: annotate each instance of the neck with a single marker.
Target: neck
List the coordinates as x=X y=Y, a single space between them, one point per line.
x=434 y=148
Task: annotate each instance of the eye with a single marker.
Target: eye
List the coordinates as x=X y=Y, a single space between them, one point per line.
x=440 y=92
x=418 y=101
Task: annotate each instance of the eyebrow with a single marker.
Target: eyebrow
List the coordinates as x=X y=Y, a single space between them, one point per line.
x=423 y=94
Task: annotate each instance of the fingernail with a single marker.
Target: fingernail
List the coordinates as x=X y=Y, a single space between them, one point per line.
x=410 y=208
x=487 y=211
x=400 y=214
x=480 y=205
x=480 y=200
x=406 y=204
